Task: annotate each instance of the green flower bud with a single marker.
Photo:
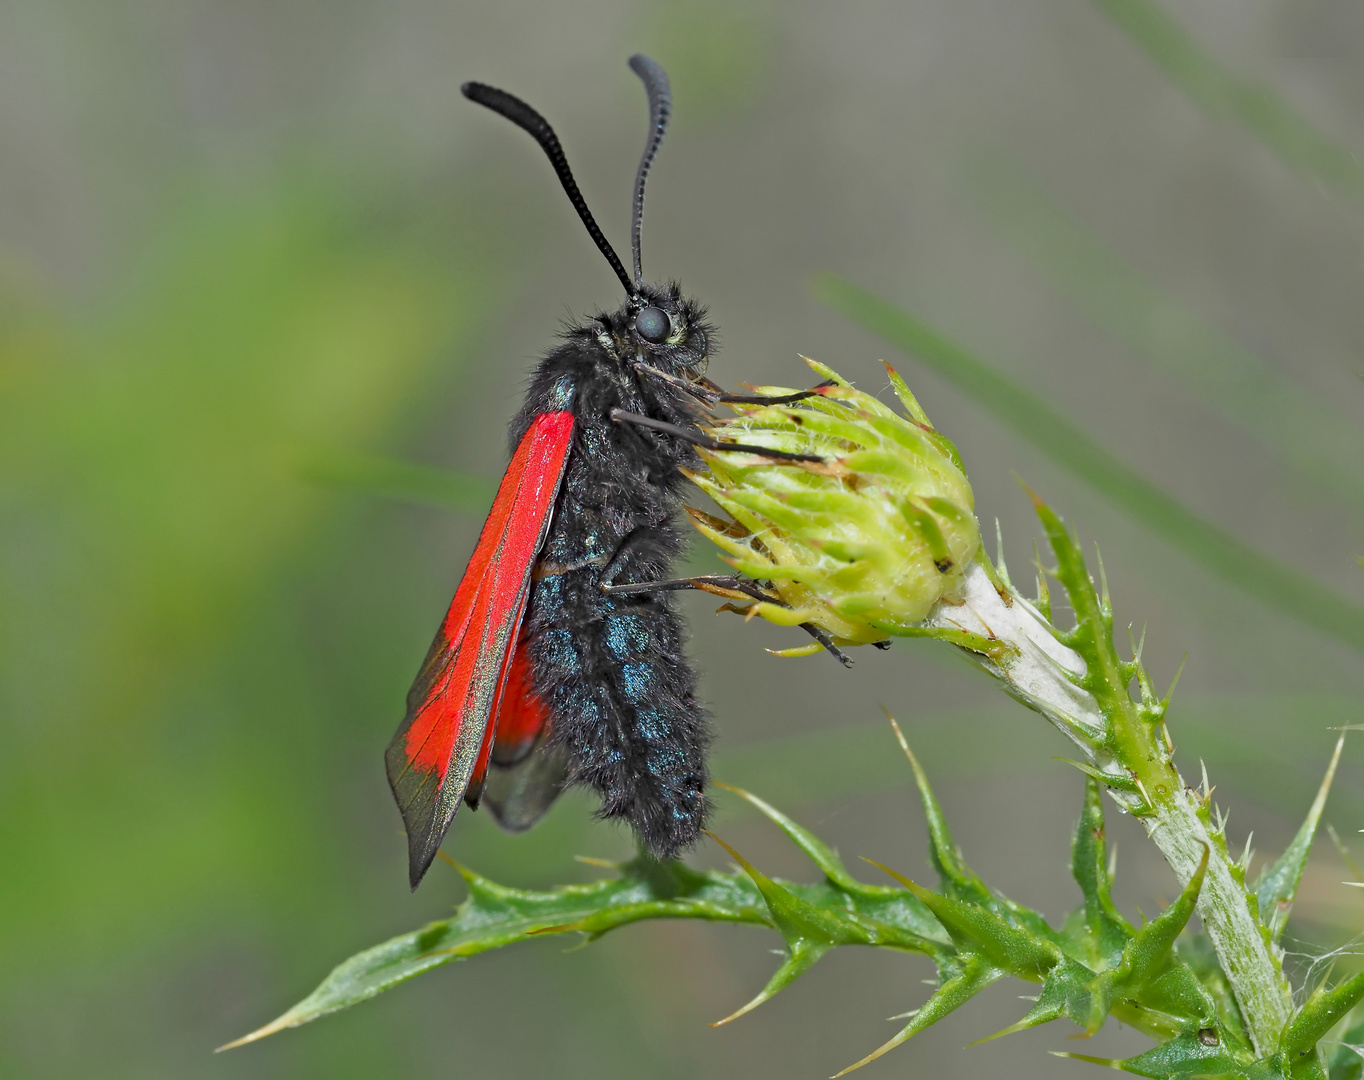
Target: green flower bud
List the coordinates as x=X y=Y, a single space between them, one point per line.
x=863 y=542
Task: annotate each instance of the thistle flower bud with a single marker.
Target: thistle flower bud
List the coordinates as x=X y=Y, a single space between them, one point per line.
x=861 y=543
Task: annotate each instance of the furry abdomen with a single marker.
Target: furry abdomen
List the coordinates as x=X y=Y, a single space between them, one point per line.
x=611 y=668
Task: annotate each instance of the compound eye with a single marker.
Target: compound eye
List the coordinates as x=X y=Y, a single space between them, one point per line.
x=653 y=325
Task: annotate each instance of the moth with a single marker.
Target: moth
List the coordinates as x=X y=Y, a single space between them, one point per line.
x=560 y=660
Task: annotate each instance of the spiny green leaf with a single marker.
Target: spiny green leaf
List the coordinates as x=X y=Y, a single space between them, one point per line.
x=1323 y=1009
x=1150 y=971
x=798 y=920
x=957 y=879
x=1187 y=1056
x=670 y=890
x=1100 y=928
x=1092 y=636
x=1151 y=947
x=1278 y=884
x=1218 y=551
x=1134 y=743
x=1118 y=781
x=801 y=955
x=878 y=903
x=809 y=932
x=975 y=929
x=1347 y=1060
x=1065 y=992
x=975 y=975
x=819 y=853
x=494 y=915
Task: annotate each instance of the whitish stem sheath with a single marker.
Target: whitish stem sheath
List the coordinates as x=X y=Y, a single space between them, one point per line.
x=1127 y=752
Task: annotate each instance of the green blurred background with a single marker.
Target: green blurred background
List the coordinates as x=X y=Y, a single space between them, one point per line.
x=254 y=255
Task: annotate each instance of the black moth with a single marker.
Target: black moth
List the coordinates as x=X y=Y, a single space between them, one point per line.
x=561 y=661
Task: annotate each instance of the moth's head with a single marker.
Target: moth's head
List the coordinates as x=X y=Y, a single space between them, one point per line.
x=659 y=326
x=665 y=330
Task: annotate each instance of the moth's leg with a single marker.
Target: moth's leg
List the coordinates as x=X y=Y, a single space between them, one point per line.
x=706 y=391
x=719 y=394
x=696 y=438
x=775 y=399
x=636 y=542
x=734 y=587
x=822 y=636
x=721 y=584
x=544 y=568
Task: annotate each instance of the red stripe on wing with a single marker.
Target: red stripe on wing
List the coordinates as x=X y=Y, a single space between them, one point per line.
x=452 y=706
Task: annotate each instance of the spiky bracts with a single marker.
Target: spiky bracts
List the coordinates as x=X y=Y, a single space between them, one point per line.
x=862 y=543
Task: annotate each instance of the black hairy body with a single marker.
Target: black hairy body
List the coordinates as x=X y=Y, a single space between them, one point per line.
x=611 y=668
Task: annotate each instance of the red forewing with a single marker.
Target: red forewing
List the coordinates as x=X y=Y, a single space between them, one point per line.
x=449 y=731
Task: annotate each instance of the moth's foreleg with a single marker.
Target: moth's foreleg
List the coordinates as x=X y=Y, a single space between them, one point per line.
x=733 y=587
x=708 y=392
x=645 y=552
x=729 y=585
x=703 y=390
x=775 y=399
x=696 y=438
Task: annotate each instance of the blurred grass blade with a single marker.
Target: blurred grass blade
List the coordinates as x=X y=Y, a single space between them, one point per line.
x=1224 y=95
x=407 y=481
x=1254 y=573
x=1236 y=383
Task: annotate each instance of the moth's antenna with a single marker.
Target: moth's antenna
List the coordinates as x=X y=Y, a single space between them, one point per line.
x=526 y=118
x=655 y=81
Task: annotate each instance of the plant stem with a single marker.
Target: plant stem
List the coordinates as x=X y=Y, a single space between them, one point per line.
x=1256 y=977
x=1122 y=745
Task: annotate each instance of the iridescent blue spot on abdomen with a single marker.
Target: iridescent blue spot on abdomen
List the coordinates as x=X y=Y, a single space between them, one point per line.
x=626 y=636
x=559 y=647
x=549 y=592
x=650 y=725
x=636 y=681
